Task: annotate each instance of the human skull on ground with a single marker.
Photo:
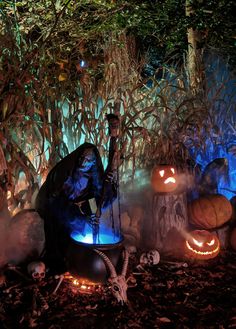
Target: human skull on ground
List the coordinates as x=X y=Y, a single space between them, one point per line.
x=37 y=270
x=152 y=257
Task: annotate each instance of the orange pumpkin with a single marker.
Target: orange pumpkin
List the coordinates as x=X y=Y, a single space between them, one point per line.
x=233 y=239
x=202 y=244
x=210 y=211
x=233 y=203
x=164 y=178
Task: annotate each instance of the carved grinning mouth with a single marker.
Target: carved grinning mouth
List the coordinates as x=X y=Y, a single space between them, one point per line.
x=170 y=180
x=202 y=252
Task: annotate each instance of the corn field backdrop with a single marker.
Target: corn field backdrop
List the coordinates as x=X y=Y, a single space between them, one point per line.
x=55 y=92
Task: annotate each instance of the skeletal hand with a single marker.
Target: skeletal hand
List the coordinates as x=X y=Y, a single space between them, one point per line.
x=111 y=177
x=94 y=219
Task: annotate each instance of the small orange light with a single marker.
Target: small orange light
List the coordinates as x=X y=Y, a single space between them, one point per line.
x=83 y=286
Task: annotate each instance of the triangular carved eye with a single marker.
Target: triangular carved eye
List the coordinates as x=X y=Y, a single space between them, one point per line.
x=211 y=243
x=199 y=244
x=161 y=172
x=172 y=169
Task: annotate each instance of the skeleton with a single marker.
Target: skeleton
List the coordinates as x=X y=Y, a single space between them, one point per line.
x=61 y=277
x=39 y=303
x=118 y=282
x=16 y=269
x=3 y=280
x=150 y=258
x=37 y=270
x=174 y=265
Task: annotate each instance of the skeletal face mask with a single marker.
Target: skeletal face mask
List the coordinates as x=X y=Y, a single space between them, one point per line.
x=37 y=270
x=88 y=161
x=150 y=258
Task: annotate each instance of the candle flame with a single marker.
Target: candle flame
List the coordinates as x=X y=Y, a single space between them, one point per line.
x=84 y=286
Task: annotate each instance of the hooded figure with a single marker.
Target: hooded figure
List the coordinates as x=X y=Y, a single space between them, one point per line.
x=63 y=200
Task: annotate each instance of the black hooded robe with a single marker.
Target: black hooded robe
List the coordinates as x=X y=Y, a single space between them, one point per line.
x=60 y=211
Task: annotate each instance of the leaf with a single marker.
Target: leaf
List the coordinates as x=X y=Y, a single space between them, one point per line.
x=164 y=319
x=62 y=77
x=4 y=109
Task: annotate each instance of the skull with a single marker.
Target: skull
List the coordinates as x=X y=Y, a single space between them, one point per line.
x=37 y=270
x=119 y=288
x=150 y=258
x=118 y=282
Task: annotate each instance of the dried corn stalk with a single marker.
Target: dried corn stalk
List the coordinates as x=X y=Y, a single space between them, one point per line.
x=119 y=72
x=3 y=163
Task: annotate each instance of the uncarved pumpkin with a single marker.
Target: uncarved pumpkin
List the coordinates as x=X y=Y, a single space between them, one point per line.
x=210 y=211
x=233 y=203
x=233 y=239
x=201 y=244
x=164 y=178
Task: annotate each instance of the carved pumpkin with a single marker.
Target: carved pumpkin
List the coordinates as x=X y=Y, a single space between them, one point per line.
x=164 y=178
x=202 y=244
x=233 y=239
x=210 y=211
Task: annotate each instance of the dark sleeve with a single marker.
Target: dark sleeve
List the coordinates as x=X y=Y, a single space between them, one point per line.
x=110 y=194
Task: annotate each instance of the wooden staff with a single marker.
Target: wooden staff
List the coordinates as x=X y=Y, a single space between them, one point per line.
x=113 y=122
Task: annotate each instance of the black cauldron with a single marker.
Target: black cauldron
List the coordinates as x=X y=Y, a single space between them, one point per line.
x=84 y=262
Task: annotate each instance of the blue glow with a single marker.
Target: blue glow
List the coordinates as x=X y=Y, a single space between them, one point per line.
x=212 y=153
x=222 y=187
x=220 y=82
x=88 y=238
x=82 y=63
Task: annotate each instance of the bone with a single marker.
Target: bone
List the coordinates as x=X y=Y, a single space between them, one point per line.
x=59 y=283
x=8 y=290
x=42 y=301
x=175 y=264
x=118 y=282
x=16 y=270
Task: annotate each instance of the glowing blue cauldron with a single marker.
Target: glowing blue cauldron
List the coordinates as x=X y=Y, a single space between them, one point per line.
x=83 y=262
x=88 y=238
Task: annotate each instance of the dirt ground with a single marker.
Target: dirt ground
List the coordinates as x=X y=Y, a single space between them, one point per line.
x=199 y=294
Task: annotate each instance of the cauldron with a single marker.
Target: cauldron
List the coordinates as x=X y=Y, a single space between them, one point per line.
x=84 y=262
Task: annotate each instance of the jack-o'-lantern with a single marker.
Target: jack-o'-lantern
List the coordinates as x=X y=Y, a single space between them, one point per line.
x=202 y=244
x=210 y=211
x=164 y=178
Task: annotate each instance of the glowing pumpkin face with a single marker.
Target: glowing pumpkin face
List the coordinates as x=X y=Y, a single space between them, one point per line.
x=164 y=178
x=202 y=244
